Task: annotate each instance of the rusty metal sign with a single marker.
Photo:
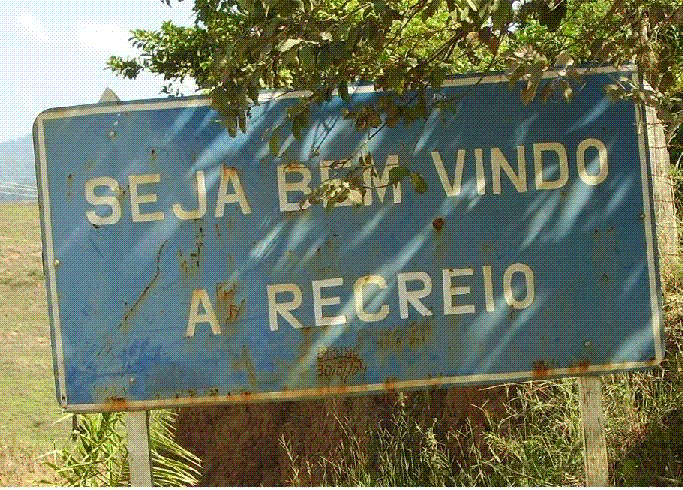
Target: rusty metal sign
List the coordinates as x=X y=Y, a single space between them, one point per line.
x=185 y=266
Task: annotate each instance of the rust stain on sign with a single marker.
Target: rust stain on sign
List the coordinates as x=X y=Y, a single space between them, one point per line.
x=190 y=263
x=541 y=370
x=249 y=367
x=116 y=404
x=413 y=335
x=228 y=310
x=390 y=384
x=249 y=287
x=70 y=185
x=580 y=367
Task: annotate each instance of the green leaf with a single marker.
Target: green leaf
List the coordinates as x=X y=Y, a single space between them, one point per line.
x=528 y=93
x=516 y=74
x=551 y=17
x=666 y=81
x=396 y=174
x=487 y=37
x=374 y=120
x=567 y=91
x=303 y=117
x=502 y=14
x=338 y=50
x=246 y=5
x=437 y=77
x=614 y=91
x=288 y=44
x=307 y=56
x=564 y=59
x=253 y=93
x=546 y=92
x=231 y=125
x=324 y=58
x=536 y=71
x=677 y=17
x=419 y=183
x=574 y=74
x=219 y=100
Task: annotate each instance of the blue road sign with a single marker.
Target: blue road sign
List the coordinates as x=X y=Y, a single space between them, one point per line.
x=185 y=266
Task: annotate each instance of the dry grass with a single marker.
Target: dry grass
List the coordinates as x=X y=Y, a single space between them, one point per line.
x=21 y=465
x=29 y=407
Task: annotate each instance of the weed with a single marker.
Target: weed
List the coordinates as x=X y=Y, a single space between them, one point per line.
x=537 y=442
x=26 y=277
x=402 y=454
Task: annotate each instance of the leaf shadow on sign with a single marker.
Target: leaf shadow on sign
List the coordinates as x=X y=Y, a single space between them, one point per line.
x=450 y=229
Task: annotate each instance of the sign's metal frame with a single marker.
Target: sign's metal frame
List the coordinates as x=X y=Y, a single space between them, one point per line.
x=51 y=264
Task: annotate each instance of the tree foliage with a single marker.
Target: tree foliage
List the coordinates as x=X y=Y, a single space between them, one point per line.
x=237 y=48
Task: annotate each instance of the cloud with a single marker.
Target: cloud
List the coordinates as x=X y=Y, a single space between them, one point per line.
x=31 y=27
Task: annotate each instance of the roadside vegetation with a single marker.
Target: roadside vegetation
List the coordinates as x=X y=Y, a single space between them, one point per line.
x=404 y=46
x=536 y=442
x=97 y=455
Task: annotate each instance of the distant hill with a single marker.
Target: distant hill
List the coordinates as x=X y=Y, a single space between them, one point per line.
x=17 y=171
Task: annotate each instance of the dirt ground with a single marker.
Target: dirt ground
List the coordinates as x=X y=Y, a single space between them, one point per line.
x=239 y=444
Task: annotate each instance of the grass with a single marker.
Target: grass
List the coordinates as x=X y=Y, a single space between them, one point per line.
x=29 y=407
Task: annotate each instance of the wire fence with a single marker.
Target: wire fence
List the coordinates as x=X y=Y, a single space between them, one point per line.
x=15 y=191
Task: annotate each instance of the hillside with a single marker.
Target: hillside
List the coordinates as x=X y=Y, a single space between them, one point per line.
x=17 y=171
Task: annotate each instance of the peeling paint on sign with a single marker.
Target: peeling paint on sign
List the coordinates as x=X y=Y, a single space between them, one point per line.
x=194 y=270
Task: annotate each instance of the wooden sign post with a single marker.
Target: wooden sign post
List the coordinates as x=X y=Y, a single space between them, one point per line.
x=594 y=443
x=139 y=458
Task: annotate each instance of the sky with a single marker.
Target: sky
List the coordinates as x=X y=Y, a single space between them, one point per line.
x=53 y=54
